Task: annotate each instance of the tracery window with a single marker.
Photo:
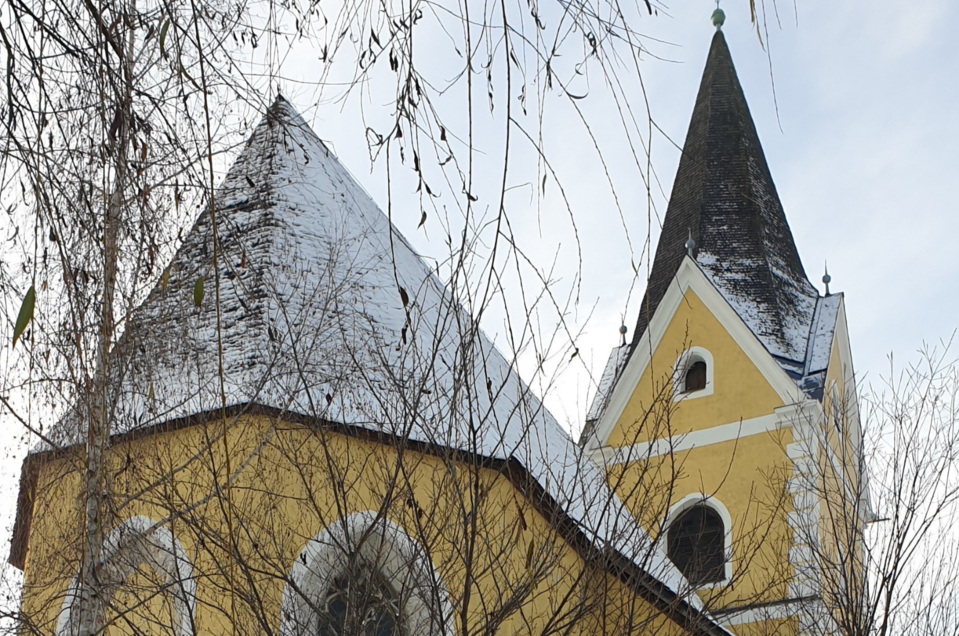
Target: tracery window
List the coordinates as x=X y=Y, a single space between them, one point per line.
x=695 y=543
x=360 y=603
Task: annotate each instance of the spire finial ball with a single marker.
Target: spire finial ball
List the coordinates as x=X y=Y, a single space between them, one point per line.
x=719 y=18
x=623 y=330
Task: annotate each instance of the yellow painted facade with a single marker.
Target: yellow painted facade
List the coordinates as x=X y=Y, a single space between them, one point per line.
x=289 y=483
x=747 y=475
x=738 y=448
x=740 y=392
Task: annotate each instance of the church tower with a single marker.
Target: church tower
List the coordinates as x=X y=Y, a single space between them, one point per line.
x=728 y=423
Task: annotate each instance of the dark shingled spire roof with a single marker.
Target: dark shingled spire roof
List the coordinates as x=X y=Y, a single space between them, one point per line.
x=724 y=196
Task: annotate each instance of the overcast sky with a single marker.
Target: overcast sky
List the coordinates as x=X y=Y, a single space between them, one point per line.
x=864 y=151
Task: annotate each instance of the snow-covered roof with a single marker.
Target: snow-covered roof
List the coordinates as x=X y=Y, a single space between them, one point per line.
x=325 y=310
x=821 y=334
x=613 y=364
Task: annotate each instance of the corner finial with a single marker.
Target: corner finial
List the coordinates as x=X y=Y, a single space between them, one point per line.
x=690 y=244
x=719 y=17
x=826 y=278
x=622 y=332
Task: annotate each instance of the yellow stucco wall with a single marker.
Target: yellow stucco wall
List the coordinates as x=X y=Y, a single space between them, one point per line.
x=290 y=482
x=747 y=475
x=740 y=391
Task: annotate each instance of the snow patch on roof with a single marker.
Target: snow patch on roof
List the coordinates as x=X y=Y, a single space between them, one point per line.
x=783 y=324
x=822 y=332
x=613 y=366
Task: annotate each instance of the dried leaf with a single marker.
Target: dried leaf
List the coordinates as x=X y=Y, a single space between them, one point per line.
x=115 y=126
x=522 y=517
x=198 y=292
x=163 y=32
x=25 y=315
x=404 y=297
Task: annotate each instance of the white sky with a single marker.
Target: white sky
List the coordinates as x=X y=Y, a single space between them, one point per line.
x=863 y=151
x=865 y=164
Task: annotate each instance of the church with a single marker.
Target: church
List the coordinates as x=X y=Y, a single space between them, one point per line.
x=312 y=435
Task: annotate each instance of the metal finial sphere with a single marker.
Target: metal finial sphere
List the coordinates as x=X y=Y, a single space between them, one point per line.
x=690 y=244
x=827 y=279
x=719 y=18
x=623 y=329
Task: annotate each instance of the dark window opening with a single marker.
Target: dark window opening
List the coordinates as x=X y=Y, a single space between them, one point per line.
x=360 y=604
x=695 y=544
x=695 y=377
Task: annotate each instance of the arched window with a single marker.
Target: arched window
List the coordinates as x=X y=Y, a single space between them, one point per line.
x=145 y=576
x=693 y=374
x=362 y=603
x=364 y=576
x=695 y=377
x=695 y=543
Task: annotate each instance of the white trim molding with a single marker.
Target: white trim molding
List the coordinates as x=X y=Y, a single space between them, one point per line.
x=733 y=431
x=689 y=278
x=683 y=362
x=137 y=541
x=382 y=544
x=777 y=610
x=694 y=500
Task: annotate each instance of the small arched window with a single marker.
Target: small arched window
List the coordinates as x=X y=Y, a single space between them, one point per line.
x=695 y=543
x=693 y=374
x=695 y=377
x=361 y=603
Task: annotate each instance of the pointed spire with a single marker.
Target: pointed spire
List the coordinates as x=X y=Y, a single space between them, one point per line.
x=725 y=202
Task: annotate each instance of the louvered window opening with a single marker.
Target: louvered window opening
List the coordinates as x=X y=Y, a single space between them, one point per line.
x=695 y=544
x=360 y=604
x=695 y=377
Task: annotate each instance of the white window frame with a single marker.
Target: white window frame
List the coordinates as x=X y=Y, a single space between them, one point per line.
x=694 y=500
x=136 y=541
x=425 y=606
x=683 y=362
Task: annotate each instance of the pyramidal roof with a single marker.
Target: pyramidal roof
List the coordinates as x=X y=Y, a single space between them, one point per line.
x=326 y=311
x=724 y=198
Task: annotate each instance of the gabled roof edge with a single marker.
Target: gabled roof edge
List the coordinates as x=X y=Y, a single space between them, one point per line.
x=689 y=276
